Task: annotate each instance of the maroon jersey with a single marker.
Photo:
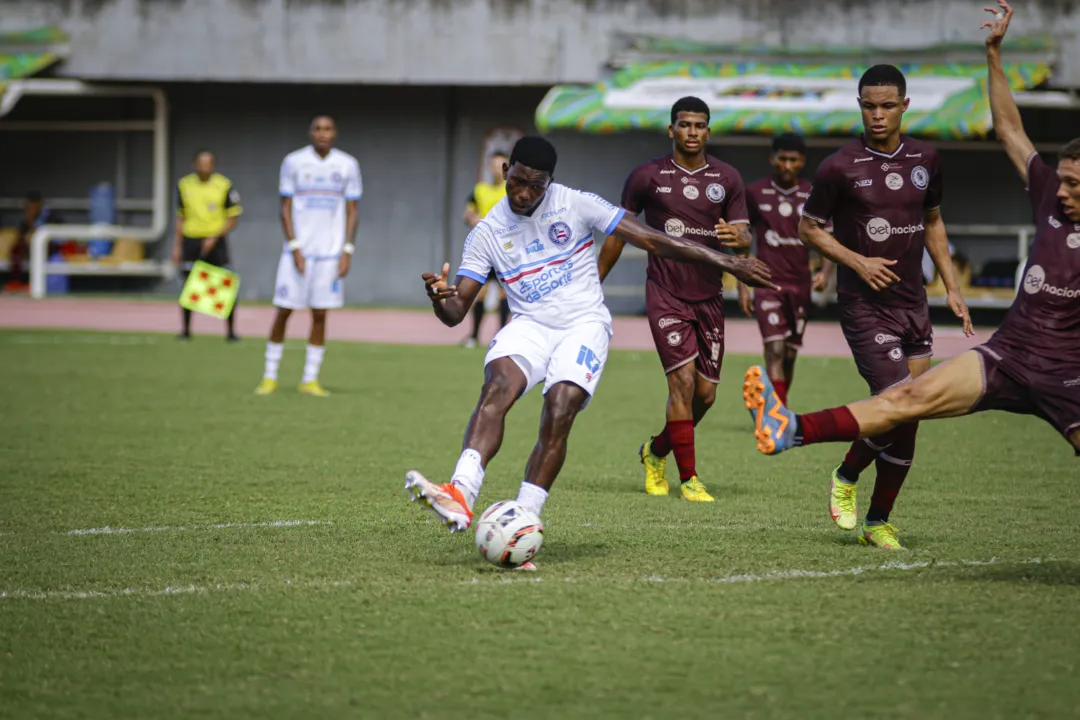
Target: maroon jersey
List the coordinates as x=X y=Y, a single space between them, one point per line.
x=686 y=204
x=774 y=215
x=1045 y=317
x=877 y=204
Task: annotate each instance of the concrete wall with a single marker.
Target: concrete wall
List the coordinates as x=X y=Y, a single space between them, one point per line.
x=478 y=42
x=418 y=149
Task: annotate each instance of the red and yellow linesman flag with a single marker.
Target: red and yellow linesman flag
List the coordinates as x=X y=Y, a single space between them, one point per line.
x=210 y=290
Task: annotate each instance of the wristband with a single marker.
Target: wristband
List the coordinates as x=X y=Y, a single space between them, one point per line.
x=293 y=245
x=349 y=249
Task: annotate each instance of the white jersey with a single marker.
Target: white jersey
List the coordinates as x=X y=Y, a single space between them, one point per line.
x=546 y=262
x=320 y=187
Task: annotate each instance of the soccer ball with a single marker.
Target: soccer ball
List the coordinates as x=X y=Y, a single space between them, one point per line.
x=508 y=535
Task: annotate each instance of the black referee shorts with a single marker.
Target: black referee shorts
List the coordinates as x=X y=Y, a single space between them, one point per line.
x=192 y=251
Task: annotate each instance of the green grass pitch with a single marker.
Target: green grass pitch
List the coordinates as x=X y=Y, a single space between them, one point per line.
x=755 y=606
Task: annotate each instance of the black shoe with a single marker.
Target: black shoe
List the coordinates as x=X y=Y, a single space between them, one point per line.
x=184 y=337
x=232 y=338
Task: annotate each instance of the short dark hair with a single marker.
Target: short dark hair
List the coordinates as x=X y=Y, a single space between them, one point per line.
x=534 y=152
x=328 y=116
x=1070 y=151
x=34 y=196
x=789 y=141
x=689 y=104
x=498 y=153
x=884 y=75
x=204 y=151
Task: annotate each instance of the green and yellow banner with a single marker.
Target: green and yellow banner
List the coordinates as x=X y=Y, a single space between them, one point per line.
x=765 y=94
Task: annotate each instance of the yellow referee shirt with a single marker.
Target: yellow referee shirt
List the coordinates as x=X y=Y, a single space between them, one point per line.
x=205 y=207
x=486 y=195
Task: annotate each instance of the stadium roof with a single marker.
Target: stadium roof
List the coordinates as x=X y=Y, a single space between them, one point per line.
x=757 y=90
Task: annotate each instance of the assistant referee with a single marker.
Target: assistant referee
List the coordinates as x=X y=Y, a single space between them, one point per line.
x=207 y=210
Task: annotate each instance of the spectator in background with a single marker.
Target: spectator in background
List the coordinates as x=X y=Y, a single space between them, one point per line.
x=207 y=210
x=35 y=214
x=486 y=195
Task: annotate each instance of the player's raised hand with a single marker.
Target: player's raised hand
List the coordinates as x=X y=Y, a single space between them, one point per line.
x=875 y=272
x=753 y=272
x=436 y=285
x=729 y=235
x=960 y=309
x=1002 y=15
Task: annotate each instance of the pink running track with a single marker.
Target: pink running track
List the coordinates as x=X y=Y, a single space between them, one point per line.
x=407 y=327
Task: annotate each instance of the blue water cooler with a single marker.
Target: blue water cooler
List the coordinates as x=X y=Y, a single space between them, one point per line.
x=102 y=210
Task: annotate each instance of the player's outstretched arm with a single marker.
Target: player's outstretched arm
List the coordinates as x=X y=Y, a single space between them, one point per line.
x=1007 y=124
x=451 y=302
x=609 y=255
x=874 y=271
x=749 y=270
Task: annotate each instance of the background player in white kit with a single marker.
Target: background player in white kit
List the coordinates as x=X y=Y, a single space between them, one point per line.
x=541 y=242
x=320 y=187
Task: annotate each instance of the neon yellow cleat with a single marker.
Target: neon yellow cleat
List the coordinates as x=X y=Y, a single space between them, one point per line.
x=268 y=386
x=842 y=502
x=314 y=388
x=694 y=491
x=655 y=470
x=882 y=536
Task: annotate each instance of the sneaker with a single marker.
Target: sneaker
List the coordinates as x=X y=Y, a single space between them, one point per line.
x=469 y=342
x=446 y=501
x=184 y=337
x=694 y=491
x=774 y=424
x=881 y=536
x=232 y=338
x=842 y=502
x=655 y=470
x=527 y=566
x=314 y=389
x=268 y=386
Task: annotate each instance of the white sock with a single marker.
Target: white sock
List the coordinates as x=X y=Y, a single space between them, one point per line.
x=532 y=497
x=313 y=362
x=273 y=359
x=469 y=475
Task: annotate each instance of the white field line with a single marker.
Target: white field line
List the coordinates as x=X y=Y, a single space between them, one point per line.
x=509 y=577
x=166 y=591
x=66 y=339
x=795 y=574
x=184 y=528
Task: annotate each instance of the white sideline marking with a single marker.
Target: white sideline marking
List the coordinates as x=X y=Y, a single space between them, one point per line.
x=778 y=575
x=170 y=590
x=65 y=339
x=180 y=528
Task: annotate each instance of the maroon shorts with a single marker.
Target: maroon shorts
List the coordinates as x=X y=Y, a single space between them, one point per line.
x=1018 y=382
x=686 y=332
x=883 y=338
x=781 y=315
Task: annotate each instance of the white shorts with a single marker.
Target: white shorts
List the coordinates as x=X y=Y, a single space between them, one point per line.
x=576 y=355
x=318 y=288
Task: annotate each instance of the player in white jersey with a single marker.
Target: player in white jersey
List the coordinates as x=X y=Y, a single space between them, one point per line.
x=320 y=187
x=541 y=242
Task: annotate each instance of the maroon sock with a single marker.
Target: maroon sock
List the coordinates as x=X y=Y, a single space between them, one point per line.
x=835 y=425
x=893 y=466
x=681 y=433
x=781 y=387
x=661 y=444
x=862 y=453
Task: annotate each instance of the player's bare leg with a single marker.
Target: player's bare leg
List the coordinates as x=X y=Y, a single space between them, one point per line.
x=892 y=453
x=313 y=357
x=775 y=366
x=689 y=398
x=562 y=403
x=452 y=502
x=791 y=354
x=275 y=347
x=949 y=390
